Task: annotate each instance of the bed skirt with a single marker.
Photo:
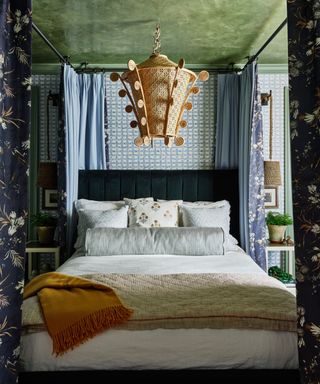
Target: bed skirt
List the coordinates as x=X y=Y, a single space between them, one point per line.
x=253 y=376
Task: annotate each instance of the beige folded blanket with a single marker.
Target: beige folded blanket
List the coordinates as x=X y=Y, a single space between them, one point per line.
x=213 y=300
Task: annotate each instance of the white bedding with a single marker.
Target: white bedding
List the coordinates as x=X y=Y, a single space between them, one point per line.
x=165 y=348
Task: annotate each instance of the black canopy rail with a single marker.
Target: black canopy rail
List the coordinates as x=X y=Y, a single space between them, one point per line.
x=63 y=59
x=84 y=68
x=251 y=59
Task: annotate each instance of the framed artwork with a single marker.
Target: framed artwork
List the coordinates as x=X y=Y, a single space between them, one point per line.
x=271 y=197
x=50 y=199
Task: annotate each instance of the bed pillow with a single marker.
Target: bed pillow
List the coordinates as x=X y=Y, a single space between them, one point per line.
x=97 y=205
x=209 y=216
x=153 y=214
x=141 y=200
x=113 y=218
x=206 y=204
x=159 y=241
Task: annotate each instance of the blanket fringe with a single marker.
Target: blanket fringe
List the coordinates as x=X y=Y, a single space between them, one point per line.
x=84 y=329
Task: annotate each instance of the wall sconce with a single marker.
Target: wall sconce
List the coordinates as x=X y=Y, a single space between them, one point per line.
x=159 y=92
x=272 y=174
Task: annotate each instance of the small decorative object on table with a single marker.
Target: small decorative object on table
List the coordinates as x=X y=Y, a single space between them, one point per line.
x=288 y=241
x=277 y=225
x=281 y=275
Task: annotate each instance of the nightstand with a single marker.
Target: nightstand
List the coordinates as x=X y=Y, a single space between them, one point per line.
x=289 y=249
x=36 y=247
x=291 y=287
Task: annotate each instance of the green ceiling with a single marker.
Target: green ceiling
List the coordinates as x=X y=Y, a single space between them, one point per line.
x=209 y=32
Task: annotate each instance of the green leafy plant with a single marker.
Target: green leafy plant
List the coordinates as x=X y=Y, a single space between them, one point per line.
x=276 y=218
x=281 y=275
x=44 y=219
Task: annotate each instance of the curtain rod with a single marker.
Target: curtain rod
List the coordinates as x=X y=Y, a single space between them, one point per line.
x=97 y=70
x=64 y=59
x=252 y=58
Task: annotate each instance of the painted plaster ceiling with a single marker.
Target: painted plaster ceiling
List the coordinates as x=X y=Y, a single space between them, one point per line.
x=210 y=32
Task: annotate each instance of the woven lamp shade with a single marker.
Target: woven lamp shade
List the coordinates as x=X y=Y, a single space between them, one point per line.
x=158 y=90
x=272 y=175
x=47 y=175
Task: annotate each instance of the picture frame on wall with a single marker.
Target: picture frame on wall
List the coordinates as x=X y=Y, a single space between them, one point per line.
x=50 y=199
x=271 y=197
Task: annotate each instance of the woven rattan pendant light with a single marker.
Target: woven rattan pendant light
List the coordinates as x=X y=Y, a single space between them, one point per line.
x=272 y=175
x=158 y=90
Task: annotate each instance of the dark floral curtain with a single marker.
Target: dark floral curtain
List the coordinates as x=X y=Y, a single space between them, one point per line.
x=304 y=80
x=15 y=103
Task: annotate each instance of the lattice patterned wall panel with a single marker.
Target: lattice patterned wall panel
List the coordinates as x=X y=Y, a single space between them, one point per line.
x=197 y=153
x=47 y=83
x=276 y=83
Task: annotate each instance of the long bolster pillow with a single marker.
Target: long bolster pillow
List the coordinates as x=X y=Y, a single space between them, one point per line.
x=193 y=241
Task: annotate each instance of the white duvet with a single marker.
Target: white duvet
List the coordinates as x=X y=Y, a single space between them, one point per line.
x=165 y=348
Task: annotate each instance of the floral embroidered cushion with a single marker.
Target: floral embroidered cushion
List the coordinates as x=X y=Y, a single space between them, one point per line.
x=153 y=214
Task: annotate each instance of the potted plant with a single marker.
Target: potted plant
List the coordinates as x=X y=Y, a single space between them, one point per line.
x=46 y=225
x=277 y=225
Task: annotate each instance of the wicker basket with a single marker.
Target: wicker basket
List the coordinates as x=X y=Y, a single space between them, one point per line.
x=272 y=175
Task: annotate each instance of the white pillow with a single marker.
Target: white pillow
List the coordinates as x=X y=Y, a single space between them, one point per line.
x=142 y=200
x=209 y=216
x=206 y=204
x=179 y=202
x=153 y=214
x=113 y=218
x=97 y=205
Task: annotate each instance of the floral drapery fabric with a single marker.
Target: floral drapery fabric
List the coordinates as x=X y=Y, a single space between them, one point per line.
x=304 y=80
x=257 y=228
x=61 y=170
x=15 y=103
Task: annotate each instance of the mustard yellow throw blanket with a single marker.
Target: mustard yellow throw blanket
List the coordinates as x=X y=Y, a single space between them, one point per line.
x=75 y=309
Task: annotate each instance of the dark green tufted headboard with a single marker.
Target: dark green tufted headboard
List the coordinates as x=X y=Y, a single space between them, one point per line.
x=188 y=185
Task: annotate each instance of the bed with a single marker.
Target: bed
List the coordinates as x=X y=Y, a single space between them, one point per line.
x=220 y=353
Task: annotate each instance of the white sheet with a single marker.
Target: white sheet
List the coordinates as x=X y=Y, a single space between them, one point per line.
x=163 y=348
x=233 y=261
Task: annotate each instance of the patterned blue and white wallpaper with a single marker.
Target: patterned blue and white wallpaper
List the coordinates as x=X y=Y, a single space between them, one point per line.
x=47 y=83
x=276 y=83
x=197 y=152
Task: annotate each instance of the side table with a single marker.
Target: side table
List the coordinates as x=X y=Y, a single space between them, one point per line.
x=290 y=264
x=36 y=247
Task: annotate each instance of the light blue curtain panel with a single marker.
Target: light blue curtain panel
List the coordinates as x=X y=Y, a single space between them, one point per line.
x=239 y=145
x=91 y=129
x=227 y=135
x=85 y=139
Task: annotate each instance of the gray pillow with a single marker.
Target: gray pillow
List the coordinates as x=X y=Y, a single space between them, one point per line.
x=209 y=216
x=114 y=218
x=160 y=241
